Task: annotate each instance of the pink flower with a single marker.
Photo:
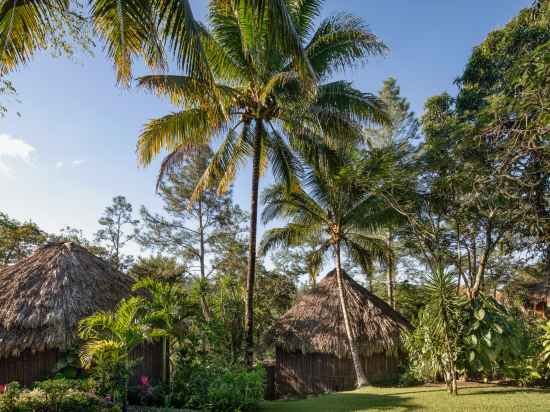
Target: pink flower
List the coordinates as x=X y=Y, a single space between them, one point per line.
x=144 y=380
x=2 y=388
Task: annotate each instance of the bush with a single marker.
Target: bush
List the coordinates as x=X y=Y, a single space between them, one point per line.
x=8 y=398
x=145 y=394
x=215 y=388
x=236 y=390
x=57 y=395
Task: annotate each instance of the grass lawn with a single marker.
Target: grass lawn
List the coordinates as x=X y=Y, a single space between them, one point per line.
x=482 y=398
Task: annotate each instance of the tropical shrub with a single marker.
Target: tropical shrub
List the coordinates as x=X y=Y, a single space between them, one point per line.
x=494 y=337
x=59 y=395
x=205 y=386
x=236 y=390
x=8 y=397
x=145 y=394
x=434 y=345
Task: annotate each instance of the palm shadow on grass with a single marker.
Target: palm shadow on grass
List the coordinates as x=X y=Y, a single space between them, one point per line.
x=344 y=402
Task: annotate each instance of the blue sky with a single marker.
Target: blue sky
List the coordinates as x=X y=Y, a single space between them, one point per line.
x=73 y=148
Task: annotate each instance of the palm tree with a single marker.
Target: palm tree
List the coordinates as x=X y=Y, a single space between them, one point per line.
x=167 y=309
x=109 y=339
x=131 y=28
x=268 y=112
x=335 y=213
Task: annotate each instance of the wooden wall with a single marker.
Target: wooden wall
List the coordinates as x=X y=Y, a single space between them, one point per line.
x=296 y=373
x=28 y=368
x=149 y=357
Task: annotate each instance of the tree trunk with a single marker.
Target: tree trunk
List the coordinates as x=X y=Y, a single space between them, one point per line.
x=390 y=274
x=251 y=274
x=204 y=303
x=450 y=369
x=356 y=358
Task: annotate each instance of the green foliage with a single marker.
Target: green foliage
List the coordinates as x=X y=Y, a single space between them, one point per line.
x=216 y=388
x=494 y=337
x=159 y=267
x=237 y=391
x=109 y=337
x=433 y=346
x=58 y=395
x=18 y=240
x=114 y=221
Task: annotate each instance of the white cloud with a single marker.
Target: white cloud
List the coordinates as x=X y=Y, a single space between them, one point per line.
x=77 y=162
x=13 y=149
x=58 y=165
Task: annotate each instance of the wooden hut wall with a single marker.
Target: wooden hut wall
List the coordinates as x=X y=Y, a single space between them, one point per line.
x=149 y=357
x=29 y=367
x=297 y=373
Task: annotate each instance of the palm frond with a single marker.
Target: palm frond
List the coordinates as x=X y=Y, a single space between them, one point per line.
x=24 y=27
x=340 y=42
x=129 y=29
x=186 y=91
x=224 y=164
x=181 y=130
x=183 y=35
x=291 y=235
x=304 y=13
x=285 y=165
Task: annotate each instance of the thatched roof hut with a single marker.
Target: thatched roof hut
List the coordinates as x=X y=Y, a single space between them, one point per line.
x=312 y=333
x=42 y=299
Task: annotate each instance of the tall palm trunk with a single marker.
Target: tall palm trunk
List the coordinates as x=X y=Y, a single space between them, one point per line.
x=250 y=277
x=356 y=358
x=204 y=303
x=390 y=281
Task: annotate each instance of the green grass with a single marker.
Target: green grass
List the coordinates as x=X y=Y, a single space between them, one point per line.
x=478 y=398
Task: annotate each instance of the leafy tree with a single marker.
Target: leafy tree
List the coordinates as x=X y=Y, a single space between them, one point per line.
x=267 y=112
x=455 y=212
x=335 y=213
x=18 y=240
x=504 y=92
x=296 y=262
x=114 y=221
x=158 y=267
x=393 y=142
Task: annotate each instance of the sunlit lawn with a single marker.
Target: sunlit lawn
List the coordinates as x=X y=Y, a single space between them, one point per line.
x=479 y=398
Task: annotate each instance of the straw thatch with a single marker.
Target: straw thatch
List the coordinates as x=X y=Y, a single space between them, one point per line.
x=315 y=324
x=44 y=296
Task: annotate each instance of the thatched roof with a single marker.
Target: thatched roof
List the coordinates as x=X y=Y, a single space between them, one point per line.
x=44 y=296
x=315 y=324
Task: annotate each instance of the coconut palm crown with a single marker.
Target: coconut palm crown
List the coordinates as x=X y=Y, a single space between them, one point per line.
x=261 y=105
